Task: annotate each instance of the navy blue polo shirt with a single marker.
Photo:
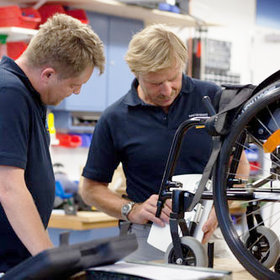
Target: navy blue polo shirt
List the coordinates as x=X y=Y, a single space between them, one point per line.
x=139 y=136
x=24 y=143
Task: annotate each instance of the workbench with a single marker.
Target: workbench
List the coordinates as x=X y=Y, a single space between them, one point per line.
x=84 y=226
x=84 y=220
x=238 y=271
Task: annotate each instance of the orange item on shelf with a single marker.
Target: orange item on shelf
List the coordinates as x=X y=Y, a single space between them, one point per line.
x=19 y=17
x=15 y=49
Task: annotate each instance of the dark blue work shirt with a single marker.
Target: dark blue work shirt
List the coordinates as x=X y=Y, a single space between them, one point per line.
x=24 y=143
x=139 y=136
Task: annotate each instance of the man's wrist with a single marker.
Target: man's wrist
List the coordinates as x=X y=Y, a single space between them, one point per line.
x=126 y=209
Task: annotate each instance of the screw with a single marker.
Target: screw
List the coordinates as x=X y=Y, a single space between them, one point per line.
x=179 y=261
x=260 y=131
x=255 y=248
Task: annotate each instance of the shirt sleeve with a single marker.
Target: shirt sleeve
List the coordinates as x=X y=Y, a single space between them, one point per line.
x=103 y=157
x=14 y=128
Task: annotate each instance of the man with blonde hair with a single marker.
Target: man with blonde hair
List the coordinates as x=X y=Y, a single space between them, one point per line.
x=59 y=59
x=138 y=130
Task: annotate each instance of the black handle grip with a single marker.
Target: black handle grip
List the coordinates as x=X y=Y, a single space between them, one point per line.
x=208 y=104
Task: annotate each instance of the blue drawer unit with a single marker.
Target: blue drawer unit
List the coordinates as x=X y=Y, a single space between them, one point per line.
x=101 y=91
x=120 y=77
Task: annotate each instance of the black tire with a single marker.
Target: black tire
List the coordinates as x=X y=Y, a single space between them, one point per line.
x=256 y=111
x=267 y=240
x=277 y=266
x=194 y=253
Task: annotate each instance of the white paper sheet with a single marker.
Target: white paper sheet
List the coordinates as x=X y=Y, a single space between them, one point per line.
x=160 y=237
x=164 y=272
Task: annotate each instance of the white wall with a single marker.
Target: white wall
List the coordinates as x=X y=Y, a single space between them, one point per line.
x=252 y=56
x=234 y=20
x=265 y=51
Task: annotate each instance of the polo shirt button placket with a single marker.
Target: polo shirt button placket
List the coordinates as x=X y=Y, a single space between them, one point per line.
x=165 y=119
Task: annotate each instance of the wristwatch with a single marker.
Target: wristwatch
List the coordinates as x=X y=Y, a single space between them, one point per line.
x=126 y=209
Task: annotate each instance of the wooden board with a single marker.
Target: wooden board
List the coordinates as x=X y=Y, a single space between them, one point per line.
x=238 y=271
x=84 y=220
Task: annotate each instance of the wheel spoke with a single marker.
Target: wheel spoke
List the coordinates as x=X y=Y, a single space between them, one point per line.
x=253 y=232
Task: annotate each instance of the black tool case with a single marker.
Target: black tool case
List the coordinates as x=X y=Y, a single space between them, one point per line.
x=66 y=260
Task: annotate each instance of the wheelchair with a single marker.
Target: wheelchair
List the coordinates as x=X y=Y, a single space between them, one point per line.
x=256 y=245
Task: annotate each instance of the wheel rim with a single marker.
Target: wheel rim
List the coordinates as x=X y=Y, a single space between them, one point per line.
x=259 y=248
x=189 y=257
x=228 y=228
x=194 y=253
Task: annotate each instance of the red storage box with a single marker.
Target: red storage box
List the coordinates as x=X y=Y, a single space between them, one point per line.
x=15 y=49
x=15 y=16
x=49 y=10
x=78 y=14
x=68 y=140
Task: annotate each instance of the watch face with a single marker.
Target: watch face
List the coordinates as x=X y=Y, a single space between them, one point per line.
x=125 y=208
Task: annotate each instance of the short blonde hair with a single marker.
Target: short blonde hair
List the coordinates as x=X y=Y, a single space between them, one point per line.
x=155 y=48
x=67 y=45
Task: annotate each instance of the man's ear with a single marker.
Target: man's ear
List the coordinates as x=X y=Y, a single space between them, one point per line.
x=47 y=73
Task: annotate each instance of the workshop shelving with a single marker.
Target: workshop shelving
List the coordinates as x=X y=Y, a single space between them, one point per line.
x=17 y=33
x=112 y=7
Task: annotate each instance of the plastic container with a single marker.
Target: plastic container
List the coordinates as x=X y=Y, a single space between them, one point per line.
x=49 y=10
x=78 y=14
x=169 y=8
x=69 y=141
x=15 y=49
x=3 y=39
x=85 y=137
x=31 y=18
x=3 y=45
x=19 y=17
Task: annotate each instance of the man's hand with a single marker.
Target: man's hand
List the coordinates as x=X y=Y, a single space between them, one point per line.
x=209 y=226
x=141 y=213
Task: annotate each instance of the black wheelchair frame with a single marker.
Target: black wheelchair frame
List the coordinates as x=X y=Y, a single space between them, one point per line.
x=185 y=201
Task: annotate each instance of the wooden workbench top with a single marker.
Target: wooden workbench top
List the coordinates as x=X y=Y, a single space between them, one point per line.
x=83 y=220
x=238 y=271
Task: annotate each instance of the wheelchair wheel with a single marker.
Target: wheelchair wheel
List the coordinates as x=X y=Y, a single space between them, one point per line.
x=277 y=266
x=257 y=128
x=194 y=253
x=266 y=246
